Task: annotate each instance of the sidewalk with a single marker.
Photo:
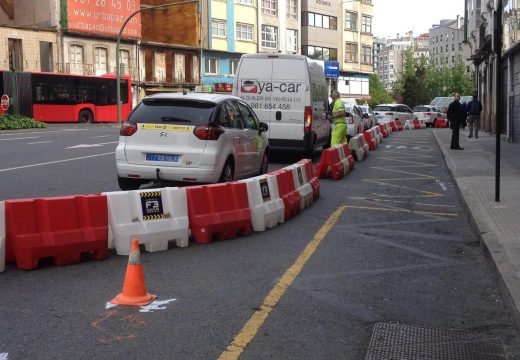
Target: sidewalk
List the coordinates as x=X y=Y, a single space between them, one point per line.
x=497 y=222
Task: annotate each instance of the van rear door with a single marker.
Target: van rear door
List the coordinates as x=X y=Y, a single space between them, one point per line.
x=253 y=75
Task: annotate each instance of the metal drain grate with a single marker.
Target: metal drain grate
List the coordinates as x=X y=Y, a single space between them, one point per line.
x=393 y=341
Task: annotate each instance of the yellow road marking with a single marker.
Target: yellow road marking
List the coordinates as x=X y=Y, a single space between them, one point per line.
x=404 y=172
x=400 y=179
x=248 y=332
x=406 y=161
x=400 y=201
x=401 y=210
x=431 y=193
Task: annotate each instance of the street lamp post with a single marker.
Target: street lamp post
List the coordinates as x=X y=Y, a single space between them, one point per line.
x=498 y=99
x=118 y=66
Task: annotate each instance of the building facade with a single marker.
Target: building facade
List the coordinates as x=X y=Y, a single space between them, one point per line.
x=446 y=43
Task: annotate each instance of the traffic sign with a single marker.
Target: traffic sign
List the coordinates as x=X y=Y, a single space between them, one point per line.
x=4 y=102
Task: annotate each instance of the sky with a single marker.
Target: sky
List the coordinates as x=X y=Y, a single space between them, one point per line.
x=400 y=16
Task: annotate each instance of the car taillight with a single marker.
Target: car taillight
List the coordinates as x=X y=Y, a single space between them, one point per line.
x=208 y=132
x=128 y=129
x=390 y=114
x=307 y=116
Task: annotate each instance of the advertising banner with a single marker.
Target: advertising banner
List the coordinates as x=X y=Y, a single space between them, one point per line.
x=104 y=17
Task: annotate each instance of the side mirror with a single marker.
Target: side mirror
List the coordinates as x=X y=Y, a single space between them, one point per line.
x=263 y=127
x=365 y=116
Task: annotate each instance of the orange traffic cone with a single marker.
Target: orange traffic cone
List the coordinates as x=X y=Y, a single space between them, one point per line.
x=134 y=290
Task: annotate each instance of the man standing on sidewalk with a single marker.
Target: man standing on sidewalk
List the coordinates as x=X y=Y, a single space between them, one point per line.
x=456 y=117
x=474 y=110
x=339 y=131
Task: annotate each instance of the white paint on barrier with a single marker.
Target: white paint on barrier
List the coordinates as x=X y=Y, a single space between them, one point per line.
x=156 y=305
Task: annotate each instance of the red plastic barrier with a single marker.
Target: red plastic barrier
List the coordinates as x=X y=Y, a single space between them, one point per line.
x=400 y=126
x=416 y=123
x=287 y=191
x=394 y=126
x=382 y=128
x=441 y=123
x=311 y=178
x=59 y=227
x=369 y=138
x=220 y=210
x=335 y=162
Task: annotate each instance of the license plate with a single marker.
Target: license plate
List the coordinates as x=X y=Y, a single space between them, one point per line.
x=163 y=157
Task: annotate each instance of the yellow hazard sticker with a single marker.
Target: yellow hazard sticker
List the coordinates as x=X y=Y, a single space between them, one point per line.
x=166 y=127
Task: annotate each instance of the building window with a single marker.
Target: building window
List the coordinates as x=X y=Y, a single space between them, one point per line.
x=245 y=2
x=366 y=56
x=292 y=9
x=46 y=59
x=366 y=24
x=244 y=32
x=269 y=37
x=269 y=7
x=453 y=47
x=318 y=20
x=211 y=66
x=100 y=60
x=124 y=60
x=350 y=21
x=446 y=48
x=350 y=52
x=369 y=2
x=218 y=27
x=76 y=59
x=292 y=40
x=233 y=65
x=320 y=53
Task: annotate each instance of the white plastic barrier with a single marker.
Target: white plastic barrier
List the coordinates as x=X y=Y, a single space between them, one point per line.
x=377 y=134
x=301 y=184
x=359 y=147
x=267 y=207
x=2 y=236
x=154 y=216
x=408 y=125
x=423 y=124
x=388 y=127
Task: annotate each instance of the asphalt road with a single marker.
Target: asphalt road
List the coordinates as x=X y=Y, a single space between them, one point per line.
x=388 y=243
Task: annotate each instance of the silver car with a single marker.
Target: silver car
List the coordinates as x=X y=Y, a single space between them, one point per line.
x=389 y=112
x=194 y=138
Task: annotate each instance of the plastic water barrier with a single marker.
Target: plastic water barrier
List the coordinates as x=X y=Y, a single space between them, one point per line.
x=408 y=125
x=388 y=127
x=155 y=217
x=335 y=162
x=358 y=146
x=311 y=178
x=266 y=205
x=441 y=123
x=218 y=210
x=382 y=128
x=399 y=124
x=347 y=160
x=301 y=184
x=370 y=139
x=2 y=236
x=62 y=228
x=287 y=190
x=377 y=133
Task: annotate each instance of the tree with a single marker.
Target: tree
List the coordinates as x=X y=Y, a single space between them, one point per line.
x=411 y=85
x=446 y=81
x=378 y=92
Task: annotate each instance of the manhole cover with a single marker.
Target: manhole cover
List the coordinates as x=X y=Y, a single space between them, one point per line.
x=393 y=341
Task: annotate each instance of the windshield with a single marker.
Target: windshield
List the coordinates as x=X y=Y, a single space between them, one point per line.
x=188 y=112
x=421 y=109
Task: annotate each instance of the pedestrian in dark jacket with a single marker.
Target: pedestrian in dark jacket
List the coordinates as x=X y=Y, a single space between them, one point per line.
x=474 y=110
x=456 y=117
x=465 y=111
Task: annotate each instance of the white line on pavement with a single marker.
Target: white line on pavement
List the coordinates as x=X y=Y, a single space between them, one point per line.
x=39 y=142
x=55 y=162
x=28 y=137
x=90 y=145
x=100 y=136
x=40 y=132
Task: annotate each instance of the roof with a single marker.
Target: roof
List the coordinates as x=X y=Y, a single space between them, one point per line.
x=215 y=98
x=444 y=101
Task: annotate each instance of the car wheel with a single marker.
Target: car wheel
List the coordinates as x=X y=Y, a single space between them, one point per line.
x=85 y=117
x=264 y=167
x=127 y=184
x=311 y=151
x=227 y=172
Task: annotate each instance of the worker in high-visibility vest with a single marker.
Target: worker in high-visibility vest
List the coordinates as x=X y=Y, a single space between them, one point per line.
x=339 y=122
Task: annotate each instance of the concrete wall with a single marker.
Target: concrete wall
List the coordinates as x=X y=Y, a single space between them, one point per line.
x=34 y=12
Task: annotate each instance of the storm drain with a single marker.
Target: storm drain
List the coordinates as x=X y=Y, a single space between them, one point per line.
x=393 y=341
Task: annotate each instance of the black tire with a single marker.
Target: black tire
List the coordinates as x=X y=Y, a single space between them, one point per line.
x=127 y=184
x=264 y=166
x=85 y=117
x=227 y=172
x=310 y=153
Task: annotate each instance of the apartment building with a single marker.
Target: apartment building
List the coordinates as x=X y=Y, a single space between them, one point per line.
x=480 y=50
x=71 y=37
x=446 y=43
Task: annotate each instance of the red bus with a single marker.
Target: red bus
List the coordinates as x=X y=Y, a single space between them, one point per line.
x=51 y=97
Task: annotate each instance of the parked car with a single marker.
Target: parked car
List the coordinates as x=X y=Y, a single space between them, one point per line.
x=356 y=122
x=197 y=138
x=368 y=112
x=389 y=112
x=428 y=113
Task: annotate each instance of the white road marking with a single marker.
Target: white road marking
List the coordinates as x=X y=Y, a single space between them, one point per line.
x=41 y=132
x=441 y=184
x=100 y=136
x=29 y=137
x=90 y=145
x=156 y=305
x=55 y=162
x=109 y=305
x=39 y=142
x=3 y=356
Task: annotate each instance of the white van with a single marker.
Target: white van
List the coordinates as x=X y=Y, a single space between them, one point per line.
x=289 y=93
